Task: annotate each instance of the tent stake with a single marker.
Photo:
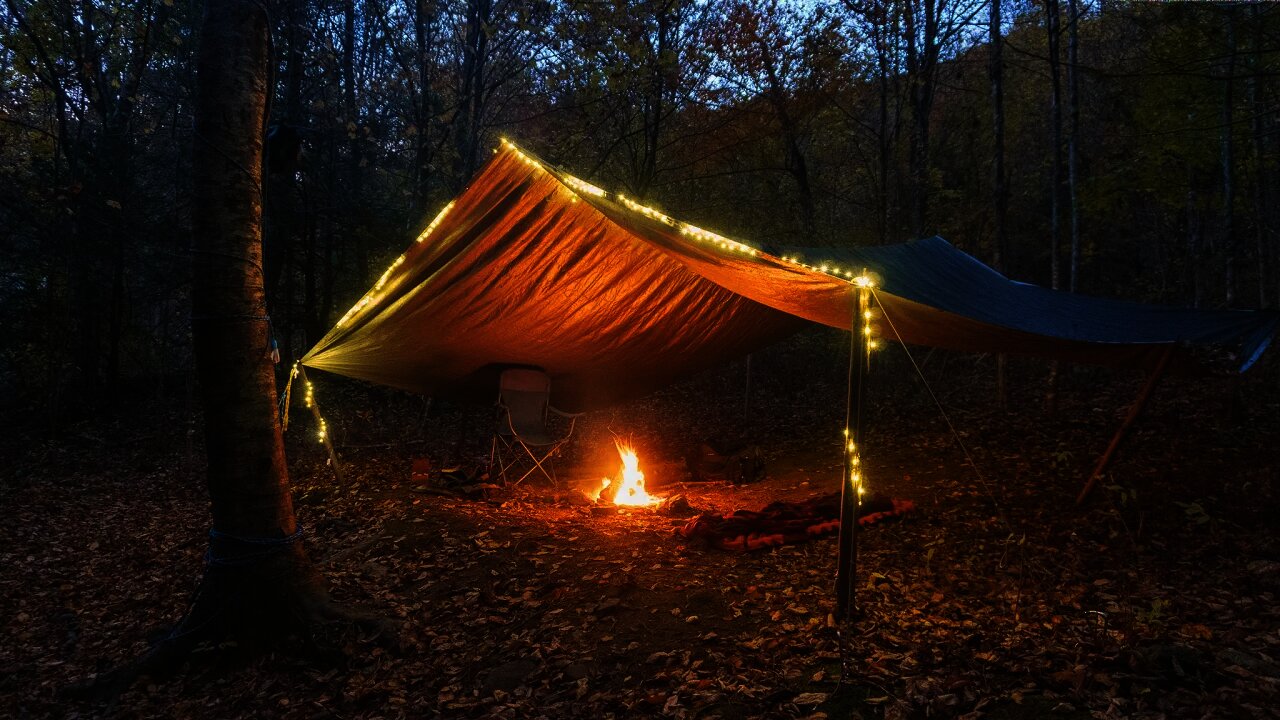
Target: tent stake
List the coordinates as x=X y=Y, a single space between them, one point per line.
x=1135 y=410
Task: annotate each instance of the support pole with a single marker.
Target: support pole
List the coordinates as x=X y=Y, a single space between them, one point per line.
x=847 y=560
x=1139 y=404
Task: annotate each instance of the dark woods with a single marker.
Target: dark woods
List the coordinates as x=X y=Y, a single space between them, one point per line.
x=1119 y=149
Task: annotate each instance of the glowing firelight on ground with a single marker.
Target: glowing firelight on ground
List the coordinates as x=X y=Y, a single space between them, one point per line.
x=631 y=487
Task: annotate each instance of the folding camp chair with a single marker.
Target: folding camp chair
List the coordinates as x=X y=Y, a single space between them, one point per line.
x=522 y=436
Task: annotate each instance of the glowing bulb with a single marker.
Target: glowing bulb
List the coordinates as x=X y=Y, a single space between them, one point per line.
x=583 y=186
x=435 y=222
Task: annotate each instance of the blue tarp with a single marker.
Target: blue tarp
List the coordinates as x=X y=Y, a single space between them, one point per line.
x=933 y=273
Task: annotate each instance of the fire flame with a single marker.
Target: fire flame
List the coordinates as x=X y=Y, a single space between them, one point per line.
x=631 y=489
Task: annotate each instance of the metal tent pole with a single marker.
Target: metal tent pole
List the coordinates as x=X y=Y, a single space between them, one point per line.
x=847 y=561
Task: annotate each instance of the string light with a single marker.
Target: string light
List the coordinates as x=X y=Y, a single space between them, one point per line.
x=527 y=159
x=383 y=280
x=584 y=187
x=646 y=210
x=370 y=296
x=864 y=283
x=435 y=223
x=308 y=398
x=287 y=395
x=855 y=468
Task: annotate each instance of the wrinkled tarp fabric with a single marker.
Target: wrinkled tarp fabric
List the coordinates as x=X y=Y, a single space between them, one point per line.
x=524 y=271
x=1029 y=319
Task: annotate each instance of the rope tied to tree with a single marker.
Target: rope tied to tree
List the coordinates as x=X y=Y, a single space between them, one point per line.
x=253 y=549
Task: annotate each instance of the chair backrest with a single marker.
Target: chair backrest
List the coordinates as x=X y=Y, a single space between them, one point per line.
x=525 y=394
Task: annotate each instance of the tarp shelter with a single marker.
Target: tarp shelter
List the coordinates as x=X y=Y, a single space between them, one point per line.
x=532 y=266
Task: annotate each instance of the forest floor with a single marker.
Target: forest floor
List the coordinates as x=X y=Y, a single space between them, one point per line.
x=997 y=599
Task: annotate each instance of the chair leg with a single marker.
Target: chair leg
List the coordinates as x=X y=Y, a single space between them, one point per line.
x=538 y=464
x=502 y=461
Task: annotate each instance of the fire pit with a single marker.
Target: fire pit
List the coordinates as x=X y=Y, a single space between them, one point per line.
x=627 y=489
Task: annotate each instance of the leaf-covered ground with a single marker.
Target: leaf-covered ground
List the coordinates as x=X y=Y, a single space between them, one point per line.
x=999 y=599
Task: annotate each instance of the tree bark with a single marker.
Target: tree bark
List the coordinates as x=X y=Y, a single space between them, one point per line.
x=995 y=72
x=258 y=581
x=1260 y=205
x=1055 y=117
x=1073 y=138
x=794 y=156
x=424 y=23
x=884 y=72
x=1228 y=161
x=469 y=115
x=1055 y=142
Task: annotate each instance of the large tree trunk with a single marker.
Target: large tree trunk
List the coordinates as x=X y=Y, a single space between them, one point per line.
x=258 y=576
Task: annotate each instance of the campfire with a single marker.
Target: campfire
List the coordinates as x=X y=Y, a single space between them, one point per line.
x=628 y=487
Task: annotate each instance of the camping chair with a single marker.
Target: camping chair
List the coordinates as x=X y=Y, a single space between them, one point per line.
x=522 y=436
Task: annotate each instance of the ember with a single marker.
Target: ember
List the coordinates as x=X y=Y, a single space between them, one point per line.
x=630 y=488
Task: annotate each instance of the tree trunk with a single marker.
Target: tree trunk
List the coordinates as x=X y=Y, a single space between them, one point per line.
x=1194 y=240
x=1055 y=142
x=1228 y=160
x=424 y=19
x=258 y=581
x=883 y=33
x=1055 y=181
x=467 y=119
x=1256 y=95
x=654 y=107
x=999 y=197
x=1073 y=138
x=355 y=142
x=794 y=159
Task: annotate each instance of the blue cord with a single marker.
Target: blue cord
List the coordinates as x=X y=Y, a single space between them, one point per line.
x=215 y=534
x=269 y=546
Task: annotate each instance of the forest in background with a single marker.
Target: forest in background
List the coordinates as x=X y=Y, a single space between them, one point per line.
x=1118 y=149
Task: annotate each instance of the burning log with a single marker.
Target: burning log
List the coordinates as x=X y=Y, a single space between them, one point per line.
x=627 y=488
